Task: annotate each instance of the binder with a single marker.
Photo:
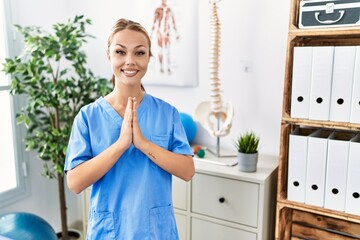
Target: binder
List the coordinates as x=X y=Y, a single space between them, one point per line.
x=355 y=102
x=342 y=83
x=336 y=170
x=321 y=79
x=316 y=167
x=298 y=143
x=352 y=204
x=301 y=80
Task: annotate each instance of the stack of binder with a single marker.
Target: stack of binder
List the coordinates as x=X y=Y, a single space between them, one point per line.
x=326 y=83
x=324 y=169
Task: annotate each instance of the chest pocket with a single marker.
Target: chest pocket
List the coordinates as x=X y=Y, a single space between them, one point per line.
x=161 y=140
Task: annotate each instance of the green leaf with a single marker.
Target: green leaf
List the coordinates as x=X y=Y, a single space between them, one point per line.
x=20 y=118
x=247 y=142
x=27 y=122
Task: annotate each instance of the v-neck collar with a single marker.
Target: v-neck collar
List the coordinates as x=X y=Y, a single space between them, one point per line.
x=115 y=115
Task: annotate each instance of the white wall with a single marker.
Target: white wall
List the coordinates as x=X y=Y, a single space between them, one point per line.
x=253 y=32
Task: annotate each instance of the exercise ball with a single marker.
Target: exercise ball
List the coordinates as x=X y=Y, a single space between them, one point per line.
x=25 y=226
x=189 y=126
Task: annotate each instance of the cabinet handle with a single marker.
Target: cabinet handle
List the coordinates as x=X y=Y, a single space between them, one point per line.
x=222 y=199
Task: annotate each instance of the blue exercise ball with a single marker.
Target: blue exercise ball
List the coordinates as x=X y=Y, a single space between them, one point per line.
x=25 y=226
x=189 y=126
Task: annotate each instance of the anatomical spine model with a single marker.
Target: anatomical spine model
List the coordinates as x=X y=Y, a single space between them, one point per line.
x=215 y=115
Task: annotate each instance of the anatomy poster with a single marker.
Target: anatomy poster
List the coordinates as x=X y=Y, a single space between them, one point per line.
x=172 y=26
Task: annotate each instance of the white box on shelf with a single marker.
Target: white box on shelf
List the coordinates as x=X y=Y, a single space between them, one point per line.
x=355 y=102
x=321 y=79
x=337 y=169
x=316 y=167
x=301 y=82
x=352 y=204
x=342 y=83
x=298 y=144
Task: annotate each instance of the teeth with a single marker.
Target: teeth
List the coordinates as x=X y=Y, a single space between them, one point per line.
x=129 y=72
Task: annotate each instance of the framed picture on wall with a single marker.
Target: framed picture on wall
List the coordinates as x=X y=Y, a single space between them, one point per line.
x=172 y=26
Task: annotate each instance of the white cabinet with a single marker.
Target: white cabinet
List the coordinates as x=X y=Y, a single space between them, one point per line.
x=221 y=202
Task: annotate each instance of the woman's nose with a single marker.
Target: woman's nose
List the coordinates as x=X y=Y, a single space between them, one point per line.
x=129 y=60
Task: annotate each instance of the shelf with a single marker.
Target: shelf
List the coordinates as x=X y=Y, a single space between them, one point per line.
x=318 y=210
x=299 y=220
x=325 y=32
x=300 y=223
x=321 y=124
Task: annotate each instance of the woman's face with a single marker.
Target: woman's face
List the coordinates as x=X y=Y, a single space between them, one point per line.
x=129 y=57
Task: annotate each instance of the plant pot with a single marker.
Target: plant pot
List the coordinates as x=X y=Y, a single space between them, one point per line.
x=247 y=162
x=73 y=234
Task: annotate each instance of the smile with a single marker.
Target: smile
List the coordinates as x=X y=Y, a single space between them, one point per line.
x=129 y=73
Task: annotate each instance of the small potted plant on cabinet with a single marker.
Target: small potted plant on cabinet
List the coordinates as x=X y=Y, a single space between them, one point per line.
x=247 y=146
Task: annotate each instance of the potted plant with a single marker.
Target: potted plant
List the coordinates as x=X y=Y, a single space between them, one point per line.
x=247 y=146
x=51 y=72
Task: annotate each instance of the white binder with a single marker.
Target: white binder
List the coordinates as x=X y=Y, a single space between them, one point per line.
x=321 y=79
x=355 y=103
x=316 y=167
x=301 y=80
x=352 y=204
x=298 y=142
x=342 y=82
x=336 y=170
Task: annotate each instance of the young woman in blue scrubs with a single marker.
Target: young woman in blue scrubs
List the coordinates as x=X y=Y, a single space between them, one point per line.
x=127 y=145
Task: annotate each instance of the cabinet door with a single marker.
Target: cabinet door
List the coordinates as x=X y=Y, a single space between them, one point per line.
x=181 y=223
x=227 y=199
x=179 y=192
x=201 y=229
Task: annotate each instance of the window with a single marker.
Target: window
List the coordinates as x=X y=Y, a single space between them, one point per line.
x=12 y=162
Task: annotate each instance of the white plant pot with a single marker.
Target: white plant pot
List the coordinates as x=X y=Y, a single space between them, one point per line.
x=247 y=162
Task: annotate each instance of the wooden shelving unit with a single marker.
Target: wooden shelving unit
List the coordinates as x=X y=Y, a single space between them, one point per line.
x=296 y=220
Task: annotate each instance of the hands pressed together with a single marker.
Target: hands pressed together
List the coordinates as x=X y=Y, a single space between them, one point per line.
x=130 y=131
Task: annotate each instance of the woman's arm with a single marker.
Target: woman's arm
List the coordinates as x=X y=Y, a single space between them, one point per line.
x=85 y=174
x=179 y=165
x=88 y=172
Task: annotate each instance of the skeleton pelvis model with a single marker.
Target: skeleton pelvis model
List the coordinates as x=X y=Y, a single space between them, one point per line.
x=214 y=115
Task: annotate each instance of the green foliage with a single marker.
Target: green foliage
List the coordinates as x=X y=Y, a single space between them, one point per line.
x=247 y=142
x=52 y=73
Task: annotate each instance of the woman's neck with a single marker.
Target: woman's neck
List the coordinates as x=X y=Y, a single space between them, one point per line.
x=119 y=96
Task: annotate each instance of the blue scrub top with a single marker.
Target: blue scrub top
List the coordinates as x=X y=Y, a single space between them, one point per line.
x=133 y=200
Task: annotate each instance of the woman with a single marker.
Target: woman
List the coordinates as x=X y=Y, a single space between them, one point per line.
x=127 y=145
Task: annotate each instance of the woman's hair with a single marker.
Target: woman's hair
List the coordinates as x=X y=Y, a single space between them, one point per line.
x=123 y=24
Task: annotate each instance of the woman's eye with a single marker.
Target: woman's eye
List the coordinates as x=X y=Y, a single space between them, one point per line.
x=121 y=52
x=140 y=53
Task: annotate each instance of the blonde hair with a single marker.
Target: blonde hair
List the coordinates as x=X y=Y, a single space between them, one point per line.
x=123 y=24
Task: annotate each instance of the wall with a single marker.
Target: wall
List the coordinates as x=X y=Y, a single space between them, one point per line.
x=253 y=33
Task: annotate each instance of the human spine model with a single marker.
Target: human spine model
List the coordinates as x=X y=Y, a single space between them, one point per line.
x=208 y=110
x=216 y=103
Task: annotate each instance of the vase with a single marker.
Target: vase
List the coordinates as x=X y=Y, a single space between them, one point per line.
x=247 y=161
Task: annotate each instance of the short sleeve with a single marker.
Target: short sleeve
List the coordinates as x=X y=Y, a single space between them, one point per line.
x=79 y=148
x=179 y=142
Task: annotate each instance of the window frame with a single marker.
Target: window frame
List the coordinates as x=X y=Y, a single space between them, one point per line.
x=22 y=189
